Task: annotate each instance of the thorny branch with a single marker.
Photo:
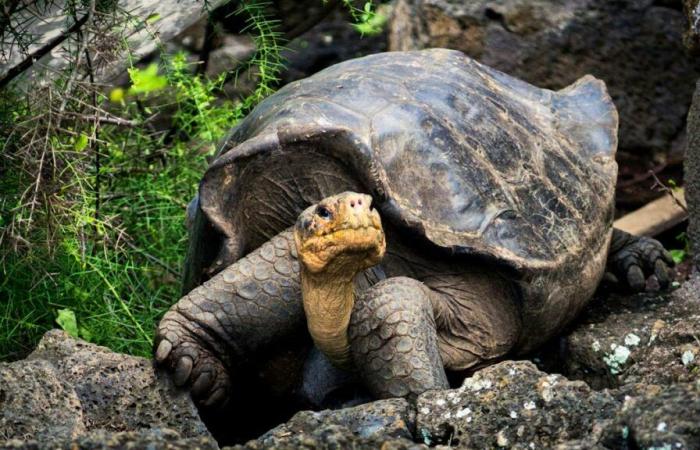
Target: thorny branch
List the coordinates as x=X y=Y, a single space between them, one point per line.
x=659 y=186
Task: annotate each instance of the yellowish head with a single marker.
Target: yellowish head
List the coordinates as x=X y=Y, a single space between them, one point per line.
x=340 y=236
x=335 y=239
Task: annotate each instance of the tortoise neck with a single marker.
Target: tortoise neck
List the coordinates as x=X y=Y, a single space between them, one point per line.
x=328 y=302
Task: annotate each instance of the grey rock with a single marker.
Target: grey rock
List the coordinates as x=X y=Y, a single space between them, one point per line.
x=512 y=404
x=691 y=169
x=692 y=35
x=36 y=402
x=385 y=423
x=154 y=439
x=68 y=388
x=657 y=417
x=168 y=19
x=635 y=46
x=639 y=339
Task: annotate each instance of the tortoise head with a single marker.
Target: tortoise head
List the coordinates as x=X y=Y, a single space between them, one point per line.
x=335 y=239
x=340 y=236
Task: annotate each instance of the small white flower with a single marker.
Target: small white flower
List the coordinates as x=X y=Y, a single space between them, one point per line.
x=513 y=415
x=425 y=411
x=529 y=405
x=661 y=427
x=596 y=346
x=440 y=402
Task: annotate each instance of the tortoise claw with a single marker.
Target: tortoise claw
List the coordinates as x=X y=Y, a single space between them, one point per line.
x=216 y=399
x=182 y=371
x=202 y=384
x=635 y=278
x=163 y=351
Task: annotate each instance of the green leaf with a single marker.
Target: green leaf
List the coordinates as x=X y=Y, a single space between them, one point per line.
x=372 y=25
x=81 y=143
x=146 y=80
x=85 y=334
x=67 y=321
x=153 y=18
x=678 y=255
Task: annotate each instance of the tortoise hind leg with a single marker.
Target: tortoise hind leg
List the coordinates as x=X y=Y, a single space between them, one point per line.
x=393 y=339
x=632 y=259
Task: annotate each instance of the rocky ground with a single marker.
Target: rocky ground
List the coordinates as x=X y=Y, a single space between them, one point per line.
x=626 y=376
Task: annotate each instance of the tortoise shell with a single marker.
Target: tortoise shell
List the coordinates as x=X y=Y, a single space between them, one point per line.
x=471 y=159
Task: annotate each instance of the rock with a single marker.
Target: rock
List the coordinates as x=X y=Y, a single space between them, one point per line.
x=166 y=18
x=155 y=439
x=692 y=35
x=68 y=388
x=232 y=53
x=385 y=423
x=332 y=41
x=660 y=417
x=512 y=404
x=636 y=47
x=36 y=401
x=644 y=338
x=692 y=176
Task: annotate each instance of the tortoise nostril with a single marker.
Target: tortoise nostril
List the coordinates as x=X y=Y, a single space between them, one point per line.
x=352 y=203
x=359 y=202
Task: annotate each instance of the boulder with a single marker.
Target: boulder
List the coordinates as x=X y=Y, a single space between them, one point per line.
x=68 y=388
x=153 y=439
x=386 y=424
x=644 y=338
x=692 y=35
x=635 y=46
x=657 y=417
x=36 y=401
x=512 y=404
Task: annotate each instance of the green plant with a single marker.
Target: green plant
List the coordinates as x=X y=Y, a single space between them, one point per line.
x=367 y=21
x=680 y=254
x=94 y=194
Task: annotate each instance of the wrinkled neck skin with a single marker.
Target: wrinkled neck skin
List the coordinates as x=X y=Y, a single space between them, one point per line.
x=328 y=301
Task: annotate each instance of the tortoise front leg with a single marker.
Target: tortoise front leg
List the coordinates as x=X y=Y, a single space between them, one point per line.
x=242 y=309
x=393 y=339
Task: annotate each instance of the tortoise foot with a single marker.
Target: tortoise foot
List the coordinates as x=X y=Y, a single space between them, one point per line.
x=183 y=350
x=633 y=259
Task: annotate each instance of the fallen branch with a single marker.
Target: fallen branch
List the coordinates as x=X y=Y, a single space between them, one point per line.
x=656 y=217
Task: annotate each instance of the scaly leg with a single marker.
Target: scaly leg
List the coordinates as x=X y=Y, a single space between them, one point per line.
x=244 y=308
x=393 y=339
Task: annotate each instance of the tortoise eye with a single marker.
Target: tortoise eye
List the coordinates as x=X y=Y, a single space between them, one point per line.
x=323 y=212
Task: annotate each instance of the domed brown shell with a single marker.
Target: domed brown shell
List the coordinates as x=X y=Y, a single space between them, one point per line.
x=476 y=161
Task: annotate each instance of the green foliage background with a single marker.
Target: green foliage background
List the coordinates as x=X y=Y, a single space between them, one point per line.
x=98 y=247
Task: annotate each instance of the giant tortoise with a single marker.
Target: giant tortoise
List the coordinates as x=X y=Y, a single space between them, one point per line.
x=458 y=216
